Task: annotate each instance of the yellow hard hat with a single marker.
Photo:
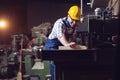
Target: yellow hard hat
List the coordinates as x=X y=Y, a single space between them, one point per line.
x=74 y=12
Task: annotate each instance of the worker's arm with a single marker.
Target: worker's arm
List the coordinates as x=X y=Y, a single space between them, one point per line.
x=66 y=43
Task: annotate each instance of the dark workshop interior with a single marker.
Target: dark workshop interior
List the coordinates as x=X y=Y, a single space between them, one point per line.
x=24 y=25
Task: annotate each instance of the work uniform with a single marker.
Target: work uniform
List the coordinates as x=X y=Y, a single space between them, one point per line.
x=59 y=29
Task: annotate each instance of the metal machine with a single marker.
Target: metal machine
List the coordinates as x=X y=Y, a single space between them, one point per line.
x=98 y=3
x=101 y=35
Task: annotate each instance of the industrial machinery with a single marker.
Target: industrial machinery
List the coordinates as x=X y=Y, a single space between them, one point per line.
x=8 y=63
x=31 y=63
x=36 y=60
x=33 y=67
x=98 y=3
x=101 y=35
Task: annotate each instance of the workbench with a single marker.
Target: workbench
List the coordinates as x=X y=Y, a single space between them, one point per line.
x=83 y=64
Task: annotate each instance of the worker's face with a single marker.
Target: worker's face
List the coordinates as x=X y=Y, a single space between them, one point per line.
x=72 y=22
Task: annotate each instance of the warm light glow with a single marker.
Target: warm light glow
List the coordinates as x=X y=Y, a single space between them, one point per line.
x=2 y=24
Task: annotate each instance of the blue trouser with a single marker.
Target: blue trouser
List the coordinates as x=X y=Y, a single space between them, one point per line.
x=52 y=44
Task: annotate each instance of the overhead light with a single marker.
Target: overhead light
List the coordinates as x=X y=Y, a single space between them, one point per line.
x=2 y=23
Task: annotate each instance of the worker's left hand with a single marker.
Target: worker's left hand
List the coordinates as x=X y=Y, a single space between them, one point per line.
x=72 y=44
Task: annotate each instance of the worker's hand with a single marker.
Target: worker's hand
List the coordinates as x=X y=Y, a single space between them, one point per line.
x=72 y=44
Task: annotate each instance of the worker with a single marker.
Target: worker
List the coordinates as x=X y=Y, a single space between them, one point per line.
x=62 y=29
x=61 y=33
